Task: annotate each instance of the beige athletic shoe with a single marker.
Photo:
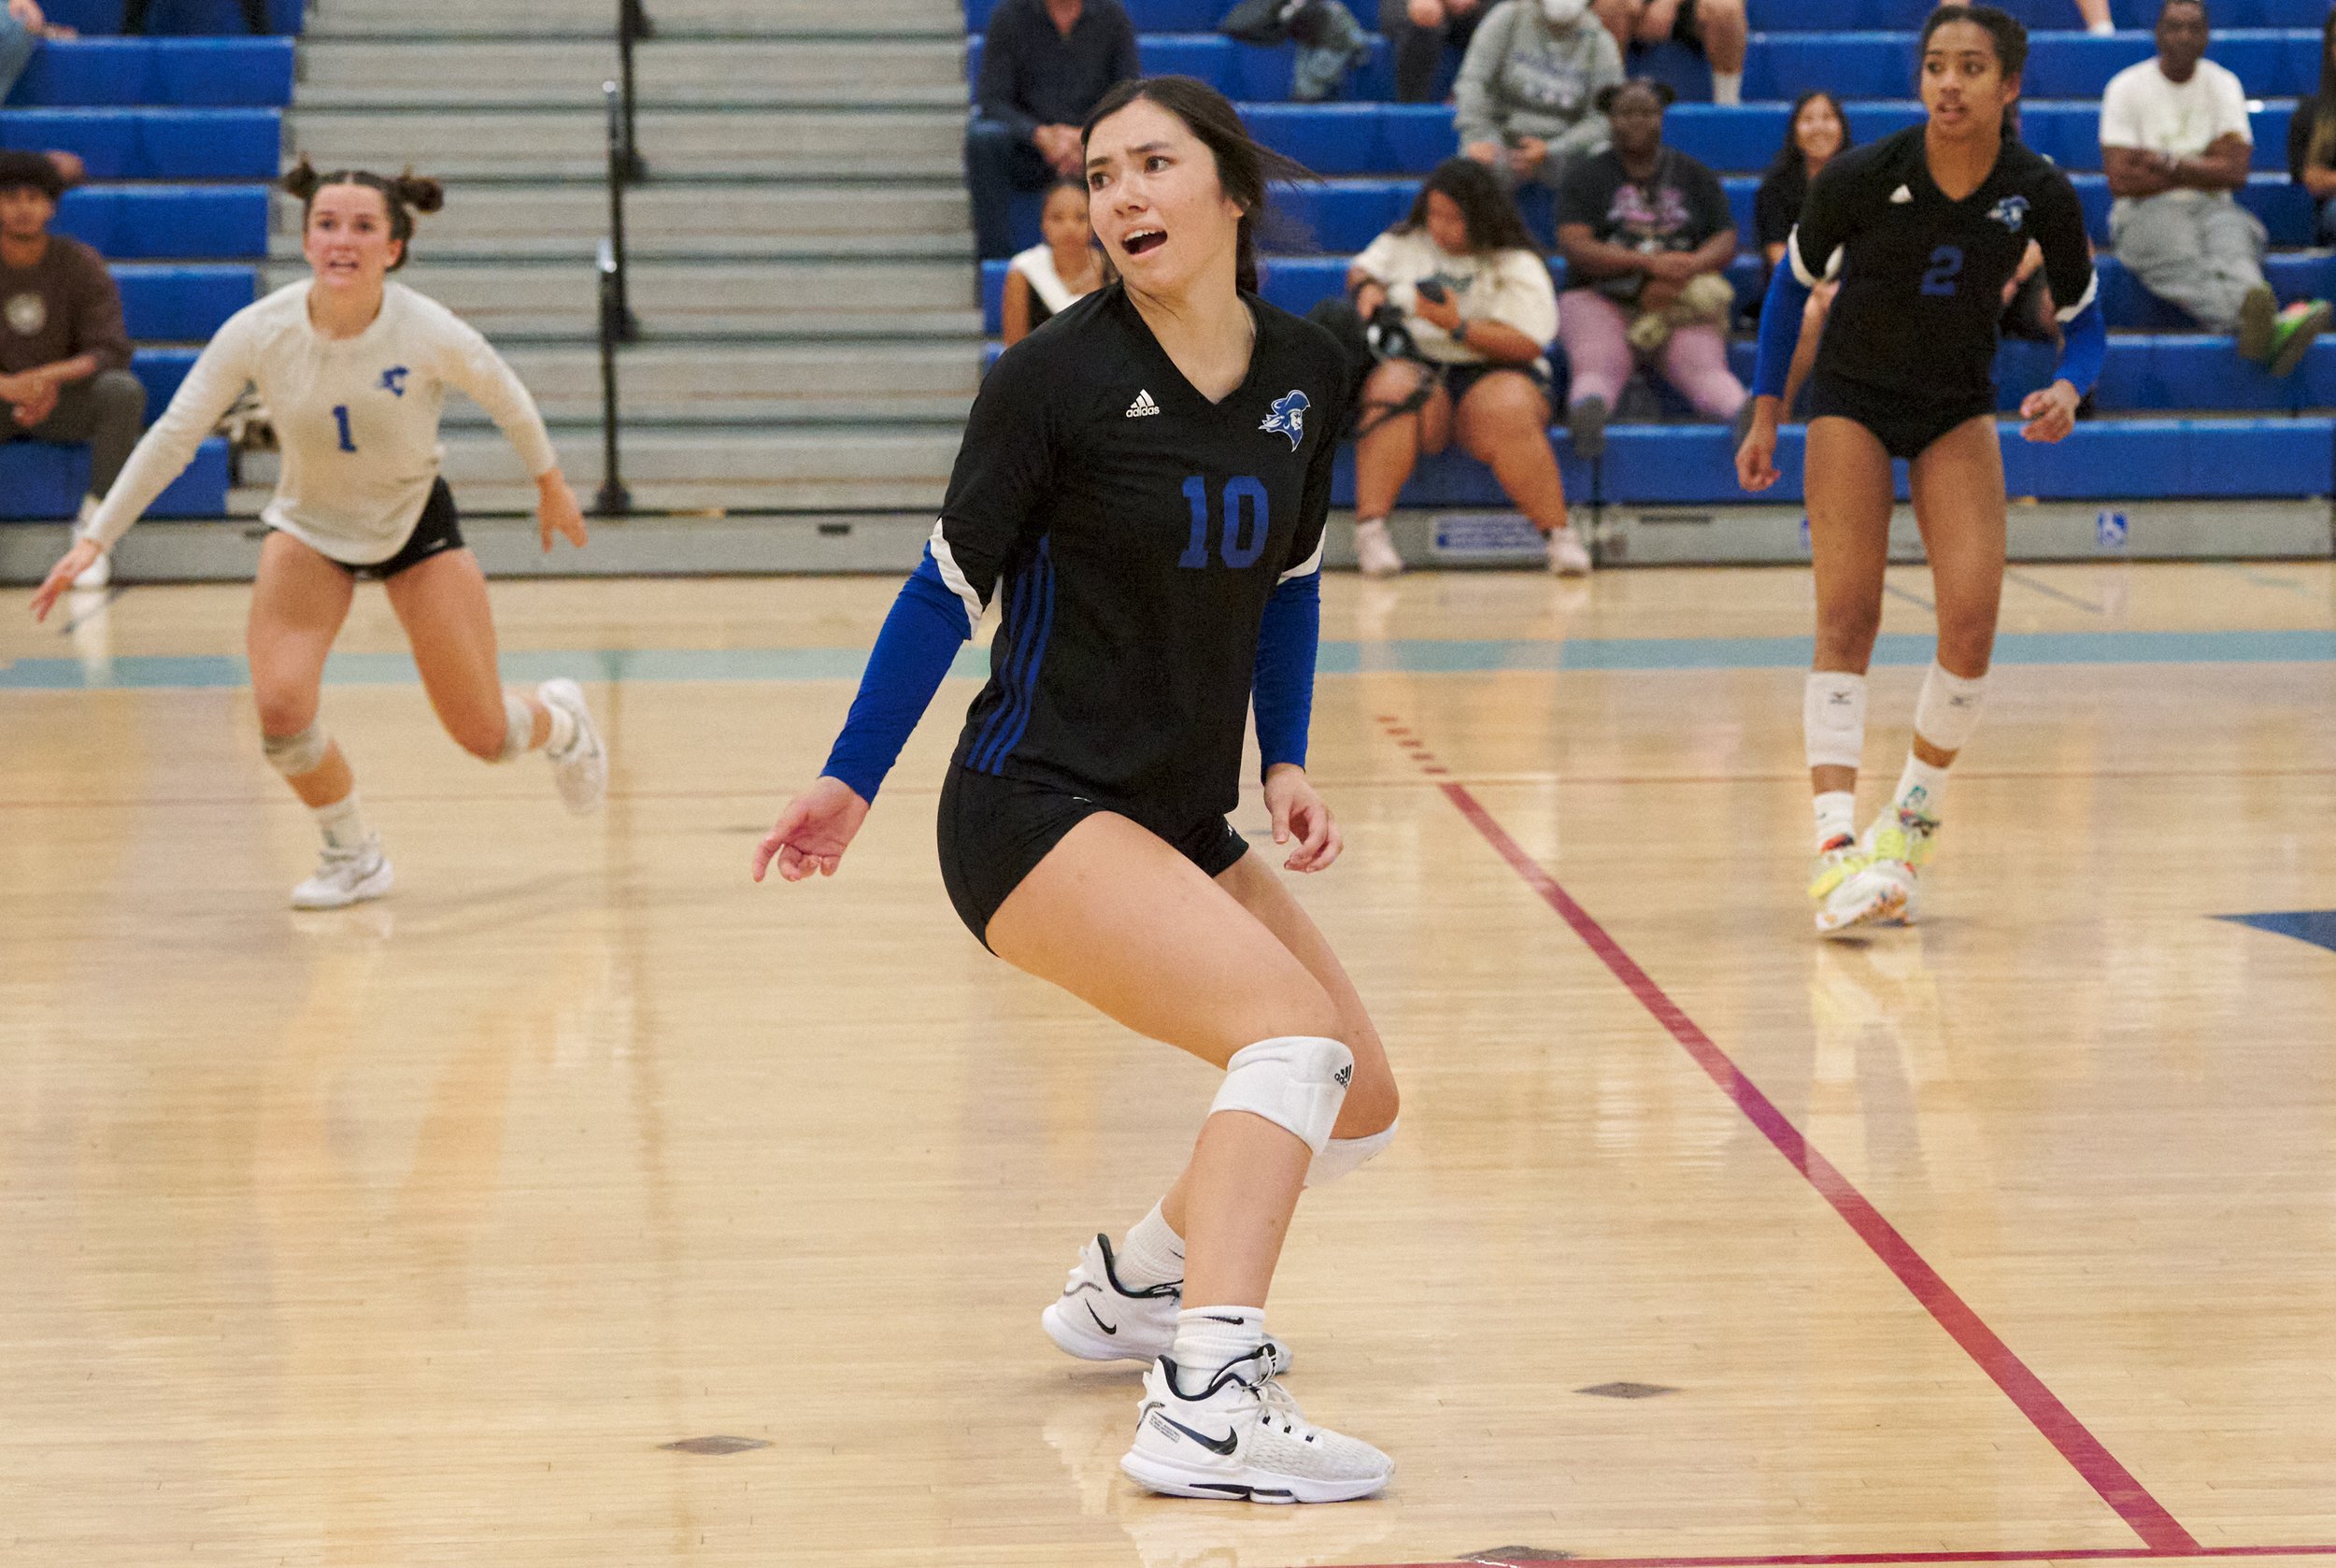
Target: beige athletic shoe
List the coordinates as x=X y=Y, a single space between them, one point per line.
x=581 y=771
x=346 y=876
x=1375 y=551
x=1568 y=557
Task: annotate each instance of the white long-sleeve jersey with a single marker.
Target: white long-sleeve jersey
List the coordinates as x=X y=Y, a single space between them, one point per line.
x=356 y=419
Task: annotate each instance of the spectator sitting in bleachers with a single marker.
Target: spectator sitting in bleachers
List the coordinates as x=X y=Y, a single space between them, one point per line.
x=134 y=16
x=1648 y=234
x=2175 y=144
x=1715 y=29
x=2095 y=12
x=65 y=354
x=2311 y=139
x=22 y=26
x=1528 y=91
x=1065 y=264
x=1478 y=311
x=1045 y=63
x=1815 y=131
x=1417 y=33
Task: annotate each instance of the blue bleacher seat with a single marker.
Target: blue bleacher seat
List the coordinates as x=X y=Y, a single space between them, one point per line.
x=37 y=480
x=169 y=18
x=161 y=370
x=182 y=304
x=155 y=144
x=2040 y=16
x=191 y=73
x=167 y=222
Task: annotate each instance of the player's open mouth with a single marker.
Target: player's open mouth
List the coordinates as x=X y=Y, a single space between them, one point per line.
x=1142 y=240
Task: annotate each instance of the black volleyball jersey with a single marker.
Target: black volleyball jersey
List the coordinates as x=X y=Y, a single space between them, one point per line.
x=1922 y=277
x=1134 y=531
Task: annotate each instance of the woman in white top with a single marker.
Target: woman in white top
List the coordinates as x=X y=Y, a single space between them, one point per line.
x=354 y=369
x=1479 y=310
x=1060 y=267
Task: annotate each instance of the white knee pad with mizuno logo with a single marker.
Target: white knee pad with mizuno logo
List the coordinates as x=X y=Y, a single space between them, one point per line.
x=1343 y=1157
x=1297 y=1082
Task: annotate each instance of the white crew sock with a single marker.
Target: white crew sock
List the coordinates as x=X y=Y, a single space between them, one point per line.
x=341 y=823
x=2103 y=28
x=562 y=734
x=1152 y=1254
x=1361 y=524
x=1921 y=789
x=1210 y=1339
x=1728 y=87
x=1836 y=816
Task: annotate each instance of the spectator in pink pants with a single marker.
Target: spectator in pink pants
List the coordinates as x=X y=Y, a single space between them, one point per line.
x=1648 y=234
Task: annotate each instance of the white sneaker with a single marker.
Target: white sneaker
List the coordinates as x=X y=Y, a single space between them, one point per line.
x=1244 y=1438
x=581 y=771
x=1567 y=557
x=1375 y=551
x=1097 y=1319
x=1881 y=892
x=346 y=876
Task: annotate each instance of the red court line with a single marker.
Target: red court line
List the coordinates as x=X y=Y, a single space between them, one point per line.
x=2060 y=1425
x=1848 y=1560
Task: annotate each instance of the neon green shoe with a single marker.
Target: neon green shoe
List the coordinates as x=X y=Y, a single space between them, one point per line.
x=1902 y=835
x=1840 y=859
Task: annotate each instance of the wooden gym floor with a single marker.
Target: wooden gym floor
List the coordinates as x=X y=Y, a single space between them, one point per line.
x=419 y=1234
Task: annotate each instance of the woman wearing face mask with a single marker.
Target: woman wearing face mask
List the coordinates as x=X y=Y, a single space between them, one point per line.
x=1063 y=266
x=1480 y=312
x=354 y=370
x=1145 y=485
x=1526 y=100
x=1923 y=228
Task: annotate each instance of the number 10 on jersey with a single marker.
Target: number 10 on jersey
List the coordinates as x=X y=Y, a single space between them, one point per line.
x=1242 y=522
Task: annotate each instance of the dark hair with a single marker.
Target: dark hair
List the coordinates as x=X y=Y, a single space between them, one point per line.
x=404 y=195
x=2011 y=39
x=1244 y=168
x=18 y=170
x=2322 y=149
x=2203 y=14
x=1791 y=162
x=1491 y=217
x=1665 y=94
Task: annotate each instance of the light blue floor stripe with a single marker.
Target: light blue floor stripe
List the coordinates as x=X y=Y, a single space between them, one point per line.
x=660 y=665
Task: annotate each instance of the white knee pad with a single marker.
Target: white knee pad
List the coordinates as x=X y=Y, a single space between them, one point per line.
x=1949 y=708
x=1297 y=1082
x=519 y=727
x=1833 y=719
x=1343 y=1157
x=295 y=756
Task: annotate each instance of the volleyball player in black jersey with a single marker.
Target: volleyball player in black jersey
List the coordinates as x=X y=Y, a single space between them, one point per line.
x=1923 y=228
x=1144 y=483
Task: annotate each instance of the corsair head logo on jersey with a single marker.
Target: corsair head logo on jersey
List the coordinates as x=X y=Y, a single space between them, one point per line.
x=1289 y=418
x=2012 y=212
x=394 y=381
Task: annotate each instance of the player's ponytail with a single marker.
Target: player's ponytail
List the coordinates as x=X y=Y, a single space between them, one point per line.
x=403 y=196
x=1245 y=169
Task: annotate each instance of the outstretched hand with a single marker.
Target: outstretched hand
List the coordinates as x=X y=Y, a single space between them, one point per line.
x=1300 y=813
x=813 y=832
x=79 y=559
x=2051 y=413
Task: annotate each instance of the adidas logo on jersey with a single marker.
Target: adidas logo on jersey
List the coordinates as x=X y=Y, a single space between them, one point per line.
x=1900 y=197
x=1141 y=406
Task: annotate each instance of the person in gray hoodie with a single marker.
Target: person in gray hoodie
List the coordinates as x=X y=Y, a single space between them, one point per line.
x=1528 y=88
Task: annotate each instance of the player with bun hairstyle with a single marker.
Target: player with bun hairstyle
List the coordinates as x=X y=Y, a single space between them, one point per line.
x=1143 y=487
x=354 y=369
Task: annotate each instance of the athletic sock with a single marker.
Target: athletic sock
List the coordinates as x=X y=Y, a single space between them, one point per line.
x=1920 y=789
x=1836 y=816
x=1209 y=1338
x=562 y=728
x=341 y=823
x=2101 y=29
x=1152 y=1254
x=1727 y=88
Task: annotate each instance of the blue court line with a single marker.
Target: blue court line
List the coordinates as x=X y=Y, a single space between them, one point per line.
x=653 y=666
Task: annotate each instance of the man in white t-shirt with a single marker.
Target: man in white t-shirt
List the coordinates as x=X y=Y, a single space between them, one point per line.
x=2175 y=143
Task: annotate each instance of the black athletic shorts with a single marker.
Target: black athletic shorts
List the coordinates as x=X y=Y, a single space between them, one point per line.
x=1903 y=423
x=436 y=531
x=994 y=832
x=1458 y=379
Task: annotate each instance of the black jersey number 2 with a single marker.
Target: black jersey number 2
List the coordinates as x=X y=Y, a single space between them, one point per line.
x=1946 y=264
x=1245 y=522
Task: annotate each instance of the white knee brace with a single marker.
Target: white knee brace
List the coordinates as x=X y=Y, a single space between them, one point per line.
x=1833 y=719
x=1343 y=1157
x=295 y=756
x=1949 y=708
x=1297 y=1082
x=519 y=726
